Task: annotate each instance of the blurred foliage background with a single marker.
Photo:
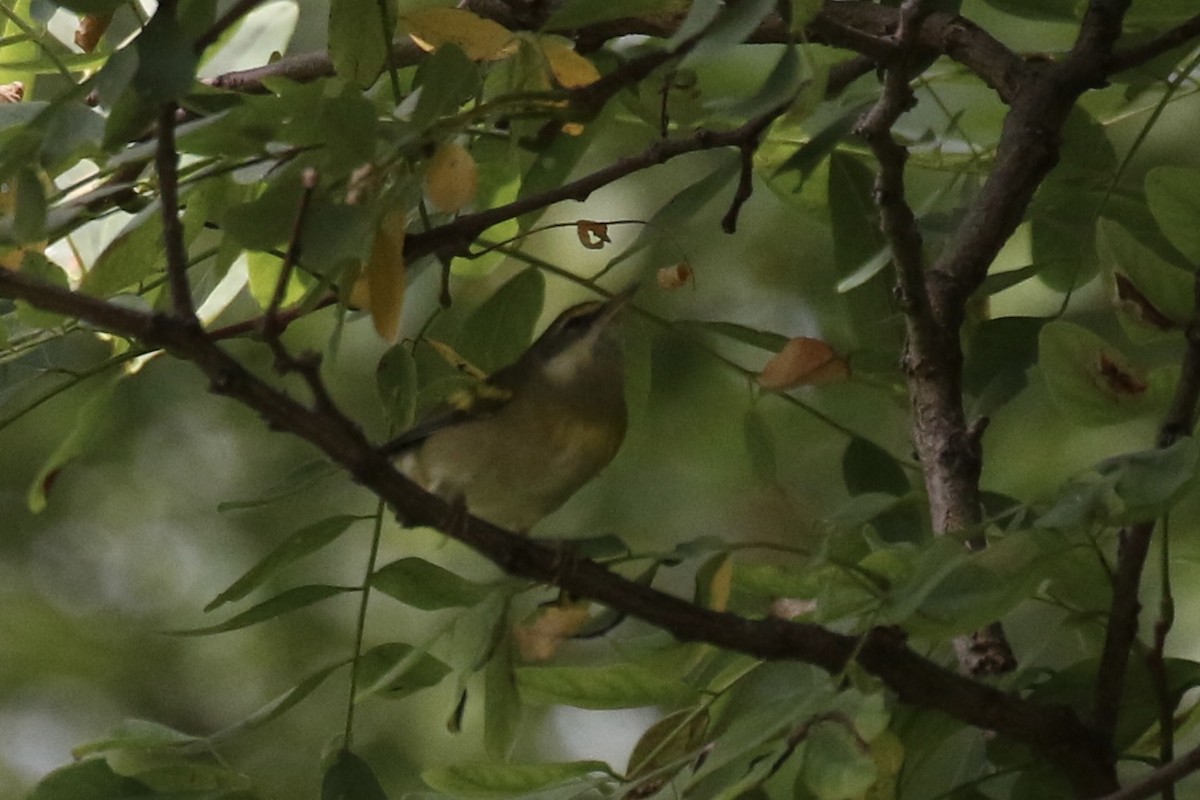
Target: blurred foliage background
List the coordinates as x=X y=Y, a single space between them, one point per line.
x=134 y=541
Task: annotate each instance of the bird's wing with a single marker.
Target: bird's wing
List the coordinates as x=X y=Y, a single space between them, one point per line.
x=479 y=401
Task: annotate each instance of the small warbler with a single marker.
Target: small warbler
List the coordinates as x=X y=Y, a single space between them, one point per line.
x=516 y=446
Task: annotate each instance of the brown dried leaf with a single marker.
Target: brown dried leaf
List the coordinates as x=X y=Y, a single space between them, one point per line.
x=452 y=178
x=1140 y=306
x=539 y=638
x=91 y=28
x=1118 y=379
x=481 y=39
x=675 y=276
x=592 y=235
x=803 y=362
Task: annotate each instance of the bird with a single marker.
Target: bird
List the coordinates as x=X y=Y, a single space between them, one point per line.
x=516 y=446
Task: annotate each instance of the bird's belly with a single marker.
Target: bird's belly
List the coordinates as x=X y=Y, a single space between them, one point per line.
x=512 y=481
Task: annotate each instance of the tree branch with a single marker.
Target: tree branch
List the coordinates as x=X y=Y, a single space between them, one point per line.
x=1166 y=41
x=1051 y=730
x=454 y=237
x=1165 y=776
x=167 y=164
x=1125 y=606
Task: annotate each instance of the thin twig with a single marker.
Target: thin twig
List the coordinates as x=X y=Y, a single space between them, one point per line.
x=167 y=163
x=1156 y=659
x=291 y=255
x=457 y=235
x=1161 y=778
x=1166 y=41
x=226 y=21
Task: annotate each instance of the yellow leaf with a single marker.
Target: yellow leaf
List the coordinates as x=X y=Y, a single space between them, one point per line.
x=451 y=179
x=538 y=639
x=380 y=286
x=481 y=39
x=570 y=69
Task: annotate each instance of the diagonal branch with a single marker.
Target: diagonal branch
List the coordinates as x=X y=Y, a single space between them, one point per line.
x=1051 y=730
x=1166 y=41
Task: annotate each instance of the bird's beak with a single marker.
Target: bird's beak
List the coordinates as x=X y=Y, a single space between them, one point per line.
x=616 y=304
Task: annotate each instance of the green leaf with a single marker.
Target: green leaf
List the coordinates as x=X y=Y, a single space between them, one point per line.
x=356 y=40
x=298 y=480
x=303 y=542
x=166 y=59
x=86 y=426
x=473 y=779
x=733 y=24
x=350 y=778
x=288 y=601
x=35 y=265
x=501 y=702
x=579 y=13
x=1173 y=194
x=446 y=80
x=90 y=779
x=1157 y=294
x=760 y=446
x=837 y=766
x=812 y=153
x=418 y=583
x=276 y=707
x=780 y=86
x=1131 y=488
x=135 y=734
x=669 y=742
x=867 y=467
x=396 y=382
x=420 y=672
x=29 y=218
x=133 y=256
x=553 y=165
x=266 y=221
x=500 y=330
x=670 y=220
x=615 y=686
x=1088 y=379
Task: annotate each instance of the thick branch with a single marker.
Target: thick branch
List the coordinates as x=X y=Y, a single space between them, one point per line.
x=1053 y=731
x=950 y=462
